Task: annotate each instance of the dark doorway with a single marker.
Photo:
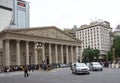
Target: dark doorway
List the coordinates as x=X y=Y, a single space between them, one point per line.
x=64 y=60
x=47 y=59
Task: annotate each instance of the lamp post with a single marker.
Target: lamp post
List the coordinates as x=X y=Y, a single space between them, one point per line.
x=79 y=54
x=107 y=56
x=39 y=47
x=113 y=54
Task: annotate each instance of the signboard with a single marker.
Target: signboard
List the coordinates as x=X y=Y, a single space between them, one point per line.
x=21 y=4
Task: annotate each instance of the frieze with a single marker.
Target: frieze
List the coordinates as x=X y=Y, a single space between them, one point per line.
x=42 y=39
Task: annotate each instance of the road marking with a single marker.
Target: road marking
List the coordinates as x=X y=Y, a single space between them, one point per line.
x=77 y=81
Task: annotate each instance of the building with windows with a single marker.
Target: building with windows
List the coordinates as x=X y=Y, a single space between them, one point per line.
x=5 y=13
x=31 y=46
x=14 y=12
x=96 y=35
x=21 y=13
x=116 y=32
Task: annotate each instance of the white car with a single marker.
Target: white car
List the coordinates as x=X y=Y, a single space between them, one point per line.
x=95 y=66
x=78 y=68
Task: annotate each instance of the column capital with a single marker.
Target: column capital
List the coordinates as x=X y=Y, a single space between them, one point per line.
x=67 y=45
x=18 y=40
x=56 y=44
x=49 y=43
x=7 y=40
x=27 y=41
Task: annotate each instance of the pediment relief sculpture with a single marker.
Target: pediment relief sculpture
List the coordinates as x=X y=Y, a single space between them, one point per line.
x=47 y=32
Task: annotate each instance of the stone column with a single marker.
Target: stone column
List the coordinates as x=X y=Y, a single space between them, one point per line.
x=56 y=53
x=80 y=54
x=50 y=56
x=18 y=52
x=43 y=51
x=76 y=54
x=67 y=58
x=36 y=54
x=72 y=54
x=27 y=52
x=7 y=53
x=61 y=53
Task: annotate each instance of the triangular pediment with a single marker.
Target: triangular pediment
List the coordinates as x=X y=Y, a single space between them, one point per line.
x=48 y=32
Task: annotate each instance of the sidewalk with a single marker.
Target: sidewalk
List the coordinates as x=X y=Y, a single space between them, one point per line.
x=11 y=73
x=15 y=73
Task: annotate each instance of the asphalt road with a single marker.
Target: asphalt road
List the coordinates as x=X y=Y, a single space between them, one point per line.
x=64 y=76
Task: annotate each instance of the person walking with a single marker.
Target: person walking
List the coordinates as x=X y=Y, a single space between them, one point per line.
x=7 y=70
x=25 y=71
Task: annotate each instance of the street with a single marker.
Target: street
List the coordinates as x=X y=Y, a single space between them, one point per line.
x=64 y=75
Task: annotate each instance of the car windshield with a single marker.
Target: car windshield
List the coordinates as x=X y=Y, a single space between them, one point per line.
x=96 y=64
x=81 y=65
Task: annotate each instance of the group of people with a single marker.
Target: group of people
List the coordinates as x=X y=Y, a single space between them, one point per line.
x=28 y=68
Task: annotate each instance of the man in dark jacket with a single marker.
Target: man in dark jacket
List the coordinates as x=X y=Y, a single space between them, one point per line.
x=26 y=71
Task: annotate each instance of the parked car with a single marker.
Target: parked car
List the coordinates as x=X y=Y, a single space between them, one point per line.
x=78 y=68
x=95 y=66
x=64 y=65
x=88 y=64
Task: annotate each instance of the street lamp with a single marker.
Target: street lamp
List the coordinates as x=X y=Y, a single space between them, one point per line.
x=113 y=49
x=79 y=54
x=39 y=47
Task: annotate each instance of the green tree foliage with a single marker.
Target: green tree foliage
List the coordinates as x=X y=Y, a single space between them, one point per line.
x=74 y=27
x=110 y=55
x=116 y=45
x=89 y=54
x=96 y=53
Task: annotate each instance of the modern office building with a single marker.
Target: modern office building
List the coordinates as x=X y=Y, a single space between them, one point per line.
x=21 y=13
x=14 y=12
x=31 y=46
x=96 y=35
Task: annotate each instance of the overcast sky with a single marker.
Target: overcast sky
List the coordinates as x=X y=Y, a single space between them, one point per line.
x=66 y=13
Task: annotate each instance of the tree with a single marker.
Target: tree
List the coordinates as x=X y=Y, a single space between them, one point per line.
x=110 y=55
x=116 y=46
x=74 y=27
x=96 y=53
x=88 y=54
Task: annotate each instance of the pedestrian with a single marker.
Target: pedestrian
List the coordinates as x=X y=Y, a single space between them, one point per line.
x=7 y=70
x=25 y=71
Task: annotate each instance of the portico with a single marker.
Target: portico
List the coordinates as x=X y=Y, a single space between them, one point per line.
x=21 y=46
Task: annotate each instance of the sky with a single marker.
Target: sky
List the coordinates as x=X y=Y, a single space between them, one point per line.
x=67 y=13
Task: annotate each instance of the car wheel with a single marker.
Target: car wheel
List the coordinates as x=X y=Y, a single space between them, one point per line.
x=72 y=71
x=76 y=72
x=88 y=73
x=101 y=69
x=91 y=69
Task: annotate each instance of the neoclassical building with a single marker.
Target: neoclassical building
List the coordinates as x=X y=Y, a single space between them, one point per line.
x=34 y=45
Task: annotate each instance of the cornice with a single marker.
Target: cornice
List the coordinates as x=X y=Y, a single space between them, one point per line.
x=90 y=26
x=38 y=28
